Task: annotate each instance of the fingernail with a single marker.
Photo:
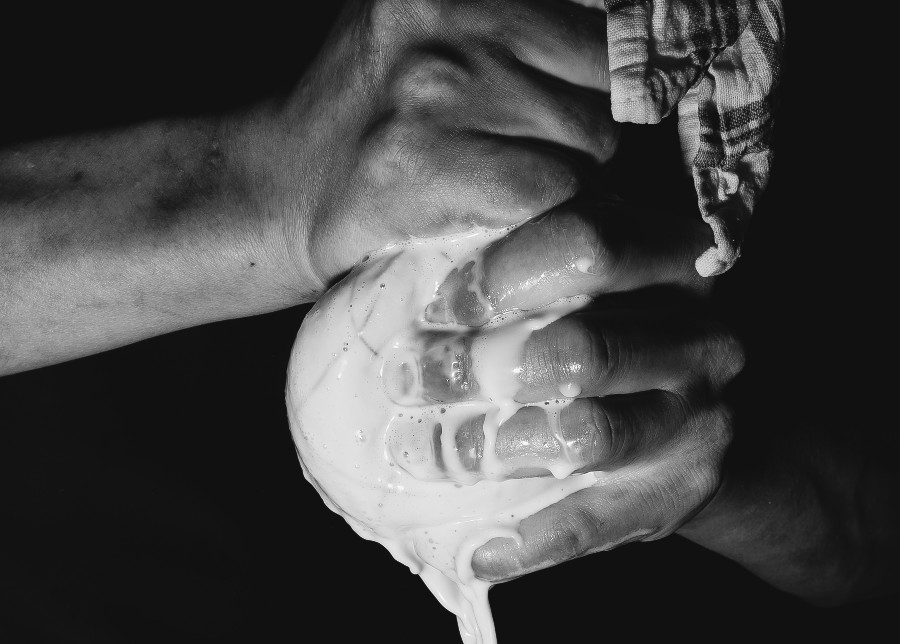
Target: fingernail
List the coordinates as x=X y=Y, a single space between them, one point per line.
x=435 y=368
x=438 y=312
x=447 y=370
x=460 y=299
x=525 y=440
x=418 y=452
x=421 y=453
x=469 y=442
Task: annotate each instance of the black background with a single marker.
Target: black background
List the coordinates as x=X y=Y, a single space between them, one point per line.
x=152 y=493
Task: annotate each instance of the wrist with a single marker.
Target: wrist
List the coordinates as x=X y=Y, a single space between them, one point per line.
x=162 y=230
x=773 y=519
x=266 y=186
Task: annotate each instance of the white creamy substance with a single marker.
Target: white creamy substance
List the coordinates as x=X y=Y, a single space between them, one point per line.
x=366 y=436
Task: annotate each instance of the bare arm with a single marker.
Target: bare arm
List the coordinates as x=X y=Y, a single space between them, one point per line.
x=415 y=120
x=109 y=238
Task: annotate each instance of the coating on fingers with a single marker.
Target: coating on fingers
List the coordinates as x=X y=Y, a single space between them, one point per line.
x=583 y=248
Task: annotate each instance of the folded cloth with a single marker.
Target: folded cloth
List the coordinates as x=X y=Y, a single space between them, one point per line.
x=719 y=62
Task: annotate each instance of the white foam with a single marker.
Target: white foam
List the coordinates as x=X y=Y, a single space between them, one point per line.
x=365 y=436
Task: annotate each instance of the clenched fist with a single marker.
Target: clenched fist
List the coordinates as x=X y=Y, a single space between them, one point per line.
x=417 y=118
x=422 y=117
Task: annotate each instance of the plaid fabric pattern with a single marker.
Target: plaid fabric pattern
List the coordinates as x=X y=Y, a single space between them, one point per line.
x=718 y=61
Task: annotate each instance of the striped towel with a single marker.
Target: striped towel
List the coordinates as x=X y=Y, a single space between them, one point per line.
x=718 y=61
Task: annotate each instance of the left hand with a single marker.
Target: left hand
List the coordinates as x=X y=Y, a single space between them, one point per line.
x=648 y=417
x=650 y=370
x=807 y=508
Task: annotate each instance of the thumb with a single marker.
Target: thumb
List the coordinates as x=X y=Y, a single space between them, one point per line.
x=638 y=507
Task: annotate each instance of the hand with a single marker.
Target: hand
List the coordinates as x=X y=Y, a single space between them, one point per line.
x=648 y=416
x=418 y=118
x=598 y=246
x=807 y=509
x=646 y=371
x=421 y=118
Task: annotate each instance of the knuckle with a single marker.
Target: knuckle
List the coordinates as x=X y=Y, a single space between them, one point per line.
x=554 y=182
x=726 y=353
x=429 y=75
x=609 y=445
x=722 y=425
x=388 y=151
x=713 y=431
x=693 y=487
x=397 y=150
x=494 y=55
x=570 y=532
x=607 y=258
x=403 y=17
x=575 y=349
x=562 y=348
x=737 y=356
x=497 y=179
x=606 y=136
x=590 y=122
x=475 y=13
x=535 y=181
x=605 y=355
x=590 y=434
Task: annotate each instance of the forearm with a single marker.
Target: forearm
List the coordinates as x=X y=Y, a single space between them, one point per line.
x=106 y=239
x=817 y=521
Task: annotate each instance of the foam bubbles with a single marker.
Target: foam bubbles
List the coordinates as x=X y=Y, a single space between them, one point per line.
x=393 y=467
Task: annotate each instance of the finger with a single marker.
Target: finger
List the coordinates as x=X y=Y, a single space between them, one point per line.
x=585 y=354
x=583 y=249
x=562 y=39
x=496 y=181
x=448 y=450
x=649 y=501
x=589 y=434
x=587 y=521
x=534 y=105
x=438 y=369
x=602 y=353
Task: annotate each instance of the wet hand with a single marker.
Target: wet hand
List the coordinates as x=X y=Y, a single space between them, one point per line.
x=646 y=417
x=595 y=247
x=642 y=371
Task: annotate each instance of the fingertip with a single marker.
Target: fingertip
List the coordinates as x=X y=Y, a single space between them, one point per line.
x=497 y=561
x=459 y=299
x=439 y=312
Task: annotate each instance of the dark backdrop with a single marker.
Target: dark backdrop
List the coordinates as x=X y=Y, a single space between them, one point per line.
x=152 y=493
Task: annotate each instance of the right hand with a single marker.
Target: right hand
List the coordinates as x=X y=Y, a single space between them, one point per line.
x=421 y=118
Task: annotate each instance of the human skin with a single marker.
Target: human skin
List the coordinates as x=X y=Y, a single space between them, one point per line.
x=808 y=511
x=110 y=238
x=417 y=118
